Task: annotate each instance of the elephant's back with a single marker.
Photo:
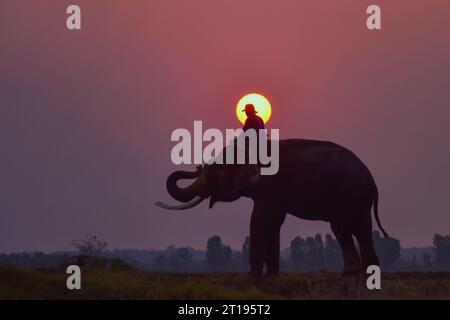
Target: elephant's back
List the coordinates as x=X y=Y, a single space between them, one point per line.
x=316 y=178
x=323 y=165
x=312 y=151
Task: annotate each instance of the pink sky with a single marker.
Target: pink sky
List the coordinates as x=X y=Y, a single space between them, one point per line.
x=87 y=115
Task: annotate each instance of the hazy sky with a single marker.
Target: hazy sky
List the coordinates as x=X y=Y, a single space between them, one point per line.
x=86 y=116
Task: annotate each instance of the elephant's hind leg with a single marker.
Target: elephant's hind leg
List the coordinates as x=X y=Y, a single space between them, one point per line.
x=352 y=263
x=366 y=247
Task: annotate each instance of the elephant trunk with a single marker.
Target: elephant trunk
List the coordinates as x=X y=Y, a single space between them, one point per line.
x=183 y=194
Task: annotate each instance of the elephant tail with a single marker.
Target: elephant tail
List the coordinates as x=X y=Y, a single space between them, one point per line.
x=374 y=191
x=375 y=211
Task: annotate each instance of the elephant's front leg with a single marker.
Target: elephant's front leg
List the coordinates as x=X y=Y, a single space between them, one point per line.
x=265 y=227
x=272 y=251
x=256 y=244
x=272 y=238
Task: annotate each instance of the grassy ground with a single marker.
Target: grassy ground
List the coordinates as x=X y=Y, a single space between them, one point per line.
x=125 y=283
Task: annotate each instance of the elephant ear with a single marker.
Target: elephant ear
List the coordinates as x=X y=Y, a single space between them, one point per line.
x=247 y=177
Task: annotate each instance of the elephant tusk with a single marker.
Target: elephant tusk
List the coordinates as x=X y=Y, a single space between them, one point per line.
x=183 y=206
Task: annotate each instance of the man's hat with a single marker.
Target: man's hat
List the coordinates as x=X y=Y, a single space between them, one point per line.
x=250 y=108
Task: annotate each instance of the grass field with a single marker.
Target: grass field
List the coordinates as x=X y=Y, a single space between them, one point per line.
x=120 y=282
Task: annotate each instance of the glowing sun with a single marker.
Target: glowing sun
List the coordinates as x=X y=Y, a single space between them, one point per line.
x=262 y=106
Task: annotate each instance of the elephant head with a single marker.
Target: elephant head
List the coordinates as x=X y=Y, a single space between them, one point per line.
x=218 y=182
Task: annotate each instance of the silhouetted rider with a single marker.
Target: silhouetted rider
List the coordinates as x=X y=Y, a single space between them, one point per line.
x=249 y=172
x=253 y=121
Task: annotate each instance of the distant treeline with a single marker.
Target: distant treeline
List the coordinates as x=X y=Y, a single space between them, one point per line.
x=303 y=254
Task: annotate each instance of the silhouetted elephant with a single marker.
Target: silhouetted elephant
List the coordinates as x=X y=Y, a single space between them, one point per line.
x=316 y=181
